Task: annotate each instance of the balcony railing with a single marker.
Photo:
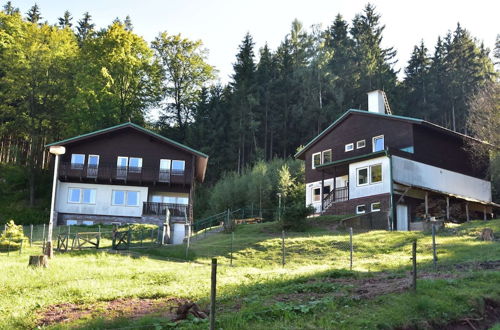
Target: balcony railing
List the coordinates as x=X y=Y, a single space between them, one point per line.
x=110 y=173
x=337 y=195
x=160 y=209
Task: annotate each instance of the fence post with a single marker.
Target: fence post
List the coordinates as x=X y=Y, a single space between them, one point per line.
x=350 y=245
x=8 y=248
x=213 y=292
x=434 y=253
x=21 y=248
x=414 y=260
x=283 y=248
x=31 y=235
x=231 y=252
x=43 y=236
x=187 y=246
x=69 y=230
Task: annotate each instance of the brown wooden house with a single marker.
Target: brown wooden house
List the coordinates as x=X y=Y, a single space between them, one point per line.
x=127 y=174
x=406 y=168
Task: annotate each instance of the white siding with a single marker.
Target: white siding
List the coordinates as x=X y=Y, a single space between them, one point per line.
x=341 y=182
x=383 y=187
x=102 y=205
x=418 y=174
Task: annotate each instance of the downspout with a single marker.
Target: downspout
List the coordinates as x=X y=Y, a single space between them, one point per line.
x=391 y=200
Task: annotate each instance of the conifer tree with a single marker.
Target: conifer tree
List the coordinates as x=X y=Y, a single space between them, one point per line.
x=9 y=9
x=33 y=15
x=85 y=28
x=65 y=21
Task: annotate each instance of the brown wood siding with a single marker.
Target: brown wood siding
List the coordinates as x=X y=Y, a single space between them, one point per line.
x=446 y=151
x=130 y=143
x=397 y=134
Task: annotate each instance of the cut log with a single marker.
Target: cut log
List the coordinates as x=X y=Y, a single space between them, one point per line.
x=487 y=234
x=39 y=261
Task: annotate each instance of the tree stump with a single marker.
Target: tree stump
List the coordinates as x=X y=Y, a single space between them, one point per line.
x=487 y=234
x=39 y=261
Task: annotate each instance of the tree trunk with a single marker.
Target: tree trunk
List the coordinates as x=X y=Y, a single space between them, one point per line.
x=39 y=261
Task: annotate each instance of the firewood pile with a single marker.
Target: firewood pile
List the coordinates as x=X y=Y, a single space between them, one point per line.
x=437 y=208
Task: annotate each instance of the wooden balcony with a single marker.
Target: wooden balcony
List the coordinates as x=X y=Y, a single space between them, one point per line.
x=105 y=173
x=160 y=209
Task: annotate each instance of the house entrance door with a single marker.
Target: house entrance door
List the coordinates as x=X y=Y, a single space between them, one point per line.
x=402 y=217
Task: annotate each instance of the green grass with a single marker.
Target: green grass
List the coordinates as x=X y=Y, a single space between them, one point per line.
x=249 y=293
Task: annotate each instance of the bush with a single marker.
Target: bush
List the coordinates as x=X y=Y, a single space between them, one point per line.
x=12 y=237
x=294 y=216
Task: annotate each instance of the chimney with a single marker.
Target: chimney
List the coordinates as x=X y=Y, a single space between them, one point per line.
x=376 y=101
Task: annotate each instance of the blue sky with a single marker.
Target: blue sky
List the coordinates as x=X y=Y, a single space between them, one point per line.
x=221 y=24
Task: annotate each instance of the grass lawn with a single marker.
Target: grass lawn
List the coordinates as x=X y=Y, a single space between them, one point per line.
x=315 y=289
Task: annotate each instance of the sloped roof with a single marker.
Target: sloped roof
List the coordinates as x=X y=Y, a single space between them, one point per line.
x=202 y=158
x=387 y=116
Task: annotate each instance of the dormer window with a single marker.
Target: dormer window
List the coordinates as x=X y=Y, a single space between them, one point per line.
x=77 y=161
x=349 y=147
x=378 y=143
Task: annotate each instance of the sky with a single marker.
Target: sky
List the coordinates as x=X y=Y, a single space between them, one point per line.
x=222 y=24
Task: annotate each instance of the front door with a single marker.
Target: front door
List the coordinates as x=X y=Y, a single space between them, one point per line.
x=402 y=217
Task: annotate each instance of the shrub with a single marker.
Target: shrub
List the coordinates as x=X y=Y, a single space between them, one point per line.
x=294 y=216
x=12 y=237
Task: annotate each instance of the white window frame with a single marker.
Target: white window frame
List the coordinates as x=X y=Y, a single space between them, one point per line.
x=312 y=159
x=376 y=210
x=358 y=144
x=73 y=167
x=313 y=194
x=135 y=169
x=125 y=198
x=98 y=159
x=373 y=142
x=178 y=160
x=358 y=211
x=323 y=156
x=349 y=147
x=367 y=168
x=79 y=195
x=381 y=174
x=95 y=196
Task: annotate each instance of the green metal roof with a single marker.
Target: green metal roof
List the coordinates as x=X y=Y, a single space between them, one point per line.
x=140 y=128
x=347 y=160
x=344 y=115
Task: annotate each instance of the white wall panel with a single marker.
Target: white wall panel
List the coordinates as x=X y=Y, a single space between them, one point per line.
x=383 y=187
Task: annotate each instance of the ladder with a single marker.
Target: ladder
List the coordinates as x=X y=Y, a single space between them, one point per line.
x=386 y=104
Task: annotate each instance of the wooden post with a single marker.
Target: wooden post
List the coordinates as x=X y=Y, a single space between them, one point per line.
x=38 y=261
x=21 y=248
x=8 y=248
x=322 y=190
x=414 y=260
x=426 y=205
x=283 y=248
x=213 y=292
x=484 y=213
x=447 y=208
x=434 y=253
x=467 y=211
x=231 y=252
x=350 y=244
x=43 y=235
x=187 y=246
x=31 y=235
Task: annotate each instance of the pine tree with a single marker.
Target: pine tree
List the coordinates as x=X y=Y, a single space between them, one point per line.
x=128 y=23
x=65 y=21
x=85 y=28
x=9 y=9
x=416 y=82
x=33 y=15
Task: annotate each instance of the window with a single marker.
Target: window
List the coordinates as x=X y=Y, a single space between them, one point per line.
x=87 y=222
x=77 y=161
x=327 y=156
x=378 y=143
x=92 y=166
x=74 y=195
x=132 y=198
x=118 y=197
x=135 y=165
x=71 y=222
x=316 y=194
x=360 y=209
x=88 y=196
x=376 y=173
x=164 y=175
x=316 y=159
x=126 y=198
x=81 y=195
x=121 y=167
x=360 y=144
x=182 y=200
x=349 y=147
x=376 y=207
x=362 y=176
x=408 y=149
x=178 y=167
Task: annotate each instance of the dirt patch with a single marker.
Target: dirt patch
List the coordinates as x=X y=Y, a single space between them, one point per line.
x=123 y=307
